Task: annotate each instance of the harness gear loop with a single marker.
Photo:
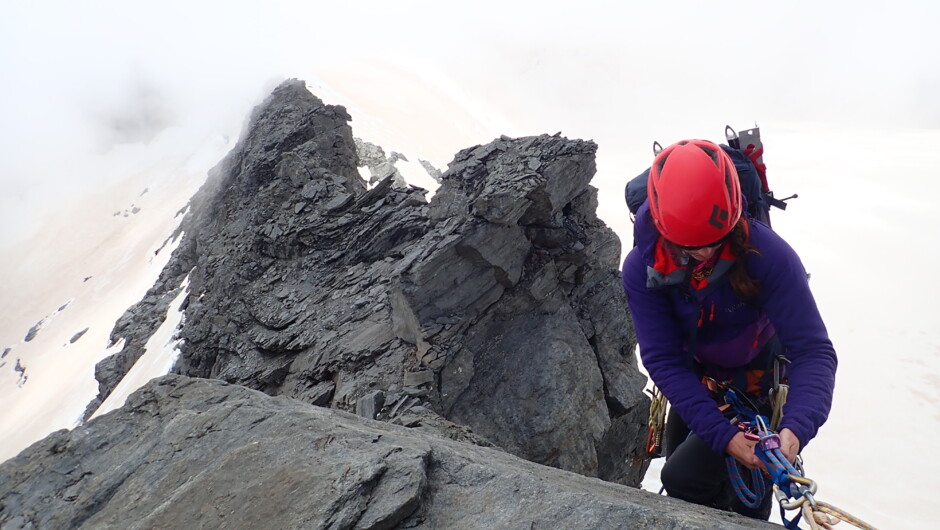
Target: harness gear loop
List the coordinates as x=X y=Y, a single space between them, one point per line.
x=657 y=422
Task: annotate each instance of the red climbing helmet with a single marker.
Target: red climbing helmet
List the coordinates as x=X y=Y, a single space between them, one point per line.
x=694 y=193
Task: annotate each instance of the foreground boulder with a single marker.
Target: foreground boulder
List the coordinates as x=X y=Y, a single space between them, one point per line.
x=193 y=453
x=493 y=314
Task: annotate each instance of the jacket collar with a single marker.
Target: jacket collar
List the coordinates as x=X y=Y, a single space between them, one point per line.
x=665 y=267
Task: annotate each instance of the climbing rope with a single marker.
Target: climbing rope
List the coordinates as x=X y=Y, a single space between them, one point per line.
x=657 y=423
x=817 y=513
x=789 y=482
x=749 y=498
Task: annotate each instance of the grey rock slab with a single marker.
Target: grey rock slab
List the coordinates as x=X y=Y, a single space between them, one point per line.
x=419 y=378
x=534 y=389
x=370 y=404
x=78 y=335
x=33 y=331
x=196 y=453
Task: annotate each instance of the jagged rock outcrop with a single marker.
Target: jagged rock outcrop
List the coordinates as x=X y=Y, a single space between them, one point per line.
x=432 y=171
x=380 y=167
x=196 y=453
x=78 y=335
x=492 y=315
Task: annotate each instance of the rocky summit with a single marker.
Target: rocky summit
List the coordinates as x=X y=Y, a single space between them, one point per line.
x=484 y=323
x=197 y=453
x=492 y=314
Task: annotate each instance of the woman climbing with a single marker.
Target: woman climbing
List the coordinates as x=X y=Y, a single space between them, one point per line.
x=718 y=299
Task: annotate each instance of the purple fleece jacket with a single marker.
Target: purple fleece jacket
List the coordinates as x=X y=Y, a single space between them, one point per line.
x=664 y=320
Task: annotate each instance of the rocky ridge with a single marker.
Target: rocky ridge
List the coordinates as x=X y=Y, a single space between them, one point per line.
x=196 y=453
x=492 y=314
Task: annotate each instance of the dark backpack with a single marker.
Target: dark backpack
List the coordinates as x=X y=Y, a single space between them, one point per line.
x=758 y=201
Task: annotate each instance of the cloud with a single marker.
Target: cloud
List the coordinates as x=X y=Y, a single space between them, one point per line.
x=80 y=77
x=138 y=117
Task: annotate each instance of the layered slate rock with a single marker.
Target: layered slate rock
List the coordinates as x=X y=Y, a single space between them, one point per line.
x=196 y=453
x=380 y=167
x=493 y=314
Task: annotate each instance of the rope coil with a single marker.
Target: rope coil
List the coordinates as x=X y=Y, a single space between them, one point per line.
x=787 y=480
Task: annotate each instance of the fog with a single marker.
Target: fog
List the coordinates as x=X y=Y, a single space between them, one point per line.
x=88 y=84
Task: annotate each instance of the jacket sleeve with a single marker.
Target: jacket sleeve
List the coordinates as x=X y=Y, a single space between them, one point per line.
x=660 y=338
x=789 y=303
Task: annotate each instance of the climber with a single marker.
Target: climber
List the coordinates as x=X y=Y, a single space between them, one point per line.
x=719 y=300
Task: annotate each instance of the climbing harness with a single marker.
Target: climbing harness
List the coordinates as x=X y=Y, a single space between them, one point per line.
x=789 y=481
x=659 y=405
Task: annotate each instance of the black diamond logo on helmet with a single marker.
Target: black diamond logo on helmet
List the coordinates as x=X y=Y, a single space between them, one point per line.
x=719 y=217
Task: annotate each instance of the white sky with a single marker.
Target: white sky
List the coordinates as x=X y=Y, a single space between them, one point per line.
x=845 y=96
x=611 y=71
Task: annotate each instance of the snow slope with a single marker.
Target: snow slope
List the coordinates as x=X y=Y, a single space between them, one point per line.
x=101 y=257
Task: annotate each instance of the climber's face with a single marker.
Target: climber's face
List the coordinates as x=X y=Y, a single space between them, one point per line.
x=704 y=253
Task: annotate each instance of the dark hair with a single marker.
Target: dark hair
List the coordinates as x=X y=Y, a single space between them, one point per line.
x=744 y=287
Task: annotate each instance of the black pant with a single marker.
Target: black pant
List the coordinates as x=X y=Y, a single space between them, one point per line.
x=695 y=473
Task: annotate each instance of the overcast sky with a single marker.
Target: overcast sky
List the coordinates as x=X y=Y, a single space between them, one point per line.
x=79 y=77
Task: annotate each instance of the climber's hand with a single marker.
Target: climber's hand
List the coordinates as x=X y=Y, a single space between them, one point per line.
x=789 y=444
x=742 y=450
